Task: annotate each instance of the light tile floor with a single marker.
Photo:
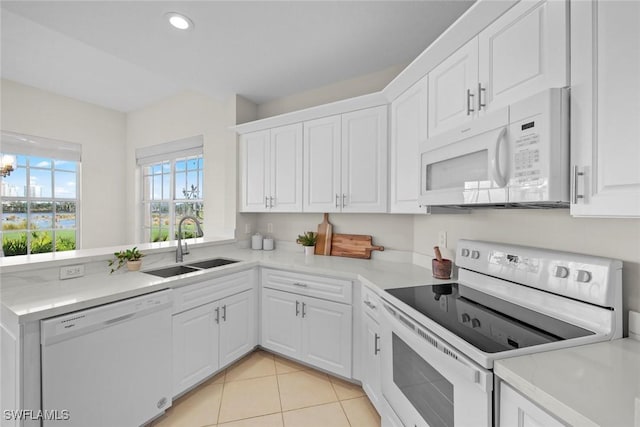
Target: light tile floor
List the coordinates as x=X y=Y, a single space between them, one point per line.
x=263 y=390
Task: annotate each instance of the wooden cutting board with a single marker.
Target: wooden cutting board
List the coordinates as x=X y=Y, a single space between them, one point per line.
x=325 y=232
x=353 y=246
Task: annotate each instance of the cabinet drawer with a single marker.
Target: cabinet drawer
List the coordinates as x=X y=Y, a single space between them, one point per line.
x=328 y=288
x=371 y=303
x=210 y=290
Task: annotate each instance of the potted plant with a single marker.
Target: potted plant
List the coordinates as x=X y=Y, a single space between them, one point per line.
x=308 y=240
x=132 y=257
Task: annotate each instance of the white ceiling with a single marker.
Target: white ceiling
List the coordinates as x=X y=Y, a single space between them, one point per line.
x=124 y=56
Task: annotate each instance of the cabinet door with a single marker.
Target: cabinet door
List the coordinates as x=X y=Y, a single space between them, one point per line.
x=281 y=322
x=523 y=52
x=195 y=346
x=605 y=107
x=408 y=129
x=517 y=411
x=286 y=169
x=371 y=383
x=364 y=160
x=237 y=326
x=326 y=335
x=452 y=87
x=322 y=165
x=254 y=163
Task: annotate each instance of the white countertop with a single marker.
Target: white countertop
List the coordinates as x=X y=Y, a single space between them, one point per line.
x=591 y=385
x=30 y=296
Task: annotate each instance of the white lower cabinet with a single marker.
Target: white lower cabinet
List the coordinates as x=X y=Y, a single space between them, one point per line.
x=312 y=330
x=195 y=346
x=371 y=381
x=211 y=336
x=518 y=411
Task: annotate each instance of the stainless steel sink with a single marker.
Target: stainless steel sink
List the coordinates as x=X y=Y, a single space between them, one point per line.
x=176 y=270
x=212 y=263
x=171 y=271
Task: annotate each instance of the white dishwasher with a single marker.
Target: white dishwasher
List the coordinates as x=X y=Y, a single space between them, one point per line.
x=110 y=365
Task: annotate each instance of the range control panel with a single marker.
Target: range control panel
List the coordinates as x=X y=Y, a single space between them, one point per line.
x=583 y=277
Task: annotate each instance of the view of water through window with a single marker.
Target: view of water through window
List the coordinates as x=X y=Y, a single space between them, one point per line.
x=39 y=206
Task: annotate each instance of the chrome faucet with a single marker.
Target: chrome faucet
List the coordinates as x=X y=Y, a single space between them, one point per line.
x=180 y=253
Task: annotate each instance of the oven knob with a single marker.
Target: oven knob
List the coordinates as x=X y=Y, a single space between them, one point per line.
x=561 y=272
x=475 y=323
x=475 y=254
x=465 y=317
x=464 y=252
x=583 y=276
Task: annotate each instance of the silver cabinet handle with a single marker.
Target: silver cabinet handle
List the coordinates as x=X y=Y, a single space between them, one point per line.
x=337 y=200
x=266 y=202
x=271 y=201
x=224 y=312
x=344 y=196
x=302 y=285
x=217 y=314
x=576 y=174
x=481 y=90
x=297 y=308
x=469 y=96
x=376 y=347
x=370 y=305
x=304 y=312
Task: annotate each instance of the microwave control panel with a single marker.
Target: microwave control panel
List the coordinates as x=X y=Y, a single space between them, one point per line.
x=526 y=156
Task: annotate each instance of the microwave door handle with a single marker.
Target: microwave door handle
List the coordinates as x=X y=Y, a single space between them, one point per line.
x=498 y=175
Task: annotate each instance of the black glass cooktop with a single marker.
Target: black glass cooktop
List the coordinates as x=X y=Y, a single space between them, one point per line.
x=489 y=323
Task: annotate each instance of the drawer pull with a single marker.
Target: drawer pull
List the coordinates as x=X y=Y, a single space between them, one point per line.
x=370 y=305
x=302 y=285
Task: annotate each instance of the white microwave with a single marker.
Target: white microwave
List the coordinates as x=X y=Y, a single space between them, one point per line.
x=514 y=157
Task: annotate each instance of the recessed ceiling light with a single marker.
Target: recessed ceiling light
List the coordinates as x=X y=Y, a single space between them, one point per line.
x=179 y=21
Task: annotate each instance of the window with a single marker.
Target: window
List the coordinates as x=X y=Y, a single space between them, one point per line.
x=172 y=183
x=39 y=200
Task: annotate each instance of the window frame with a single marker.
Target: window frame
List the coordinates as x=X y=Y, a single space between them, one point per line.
x=28 y=199
x=172 y=200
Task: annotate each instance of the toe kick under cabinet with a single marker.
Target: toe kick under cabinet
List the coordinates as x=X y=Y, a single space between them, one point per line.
x=214 y=324
x=308 y=318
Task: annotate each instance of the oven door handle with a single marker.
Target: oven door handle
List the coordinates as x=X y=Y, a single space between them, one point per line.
x=438 y=353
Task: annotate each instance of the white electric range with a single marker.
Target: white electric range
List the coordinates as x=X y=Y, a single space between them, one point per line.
x=439 y=342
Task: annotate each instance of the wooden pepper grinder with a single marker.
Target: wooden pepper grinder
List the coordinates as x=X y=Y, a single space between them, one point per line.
x=440 y=267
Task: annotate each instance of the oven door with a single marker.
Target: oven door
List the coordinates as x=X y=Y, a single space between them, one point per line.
x=427 y=382
x=468 y=165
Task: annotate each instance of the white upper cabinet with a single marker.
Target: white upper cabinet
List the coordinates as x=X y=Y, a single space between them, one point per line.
x=523 y=52
x=408 y=129
x=254 y=161
x=452 y=87
x=286 y=169
x=271 y=170
x=345 y=162
x=322 y=173
x=605 y=108
x=364 y=160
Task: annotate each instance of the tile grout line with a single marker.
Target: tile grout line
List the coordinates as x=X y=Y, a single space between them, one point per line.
x=224 y=382
x=340 y=402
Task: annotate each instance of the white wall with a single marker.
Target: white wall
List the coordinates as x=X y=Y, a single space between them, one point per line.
x=102 y=134
x=179 y=117
x=363 y=85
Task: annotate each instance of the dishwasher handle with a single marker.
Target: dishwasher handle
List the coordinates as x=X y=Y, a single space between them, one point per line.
x=78 y=323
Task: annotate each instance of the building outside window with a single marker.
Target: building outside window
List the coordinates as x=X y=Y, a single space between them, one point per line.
x=40 y=201
x=172 y=185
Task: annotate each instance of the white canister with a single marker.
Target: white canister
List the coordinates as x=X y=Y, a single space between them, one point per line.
x=256 y=241
x=267 y=244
